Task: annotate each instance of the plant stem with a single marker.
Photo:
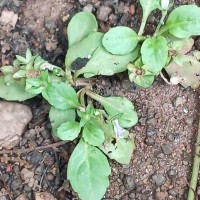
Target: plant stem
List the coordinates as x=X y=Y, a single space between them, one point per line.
x=164 y=13
x=94 y=96
x=144 y=21
x=195 y=169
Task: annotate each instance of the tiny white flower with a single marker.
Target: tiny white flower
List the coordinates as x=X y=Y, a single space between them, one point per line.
x=164 y=4
x=118 y=129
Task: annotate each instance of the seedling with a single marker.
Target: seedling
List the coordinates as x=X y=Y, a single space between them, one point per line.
x=102 y=131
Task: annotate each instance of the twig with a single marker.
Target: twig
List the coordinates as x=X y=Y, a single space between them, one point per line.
x=195 y=169
x=19 y=151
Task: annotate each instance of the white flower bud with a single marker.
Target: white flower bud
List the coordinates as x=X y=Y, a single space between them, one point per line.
x=164 y=4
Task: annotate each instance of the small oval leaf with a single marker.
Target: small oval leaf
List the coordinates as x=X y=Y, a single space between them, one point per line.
x=69 y=130
x=154 y=53
x=183 y=21
x=61 y=96
x=120 y=40
x=76 y=31
x=58 y=117
x=93 y=135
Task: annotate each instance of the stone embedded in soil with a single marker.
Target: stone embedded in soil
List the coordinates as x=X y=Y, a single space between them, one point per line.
x=159 y=179
x=14 y=117
x=129 y=182
x=172 y=173
x=44 y=196
x=22 y=197
x=150 y=141
x=180 y=101
x=8 y=17
x=103 y=13
x=26 y=175
x=88 y=8
x=166 y=149
x=50 y=24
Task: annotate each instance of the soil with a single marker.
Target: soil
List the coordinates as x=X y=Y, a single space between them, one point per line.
x=168 y=115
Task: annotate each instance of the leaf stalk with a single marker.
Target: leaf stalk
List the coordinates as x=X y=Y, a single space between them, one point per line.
x=195 y=169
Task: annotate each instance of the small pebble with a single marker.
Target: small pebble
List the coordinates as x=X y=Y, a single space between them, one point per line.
x=103 y=13
x=129 y=182
x=88 y=8
x=159 y=179
x=166 y=149
x=172 y=173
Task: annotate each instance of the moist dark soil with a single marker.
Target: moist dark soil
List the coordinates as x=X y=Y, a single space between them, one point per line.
x=165 y=135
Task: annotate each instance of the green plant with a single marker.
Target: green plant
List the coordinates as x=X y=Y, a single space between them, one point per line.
x=144 y=57
x=102 y=130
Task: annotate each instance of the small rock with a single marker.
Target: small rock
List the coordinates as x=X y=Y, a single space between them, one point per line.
x=50 y=46
x=180 y=101
x=8 y=17
x=152 y=132
x=172 y=173
x=103 y=13
x=44 y=196
x=120 y=8
x=26 y=175
x=152 y=121
x=16 y=184
x=50 y=176
x=14 y=117
x=113 y=20
x=88 y=8
x=16 y=3
x=172 y=193
x=159 y=179
x=189 y=120
x=46 y=134
x=161 y=195
x=170 y=137
x=129 y=182
x=150 y=141
x=132 y=195
x=22 y=197
x=39 y=170
x=158 y=154
x=50 y=24
x=27 y=188
x=132 y=9
x=166 y=149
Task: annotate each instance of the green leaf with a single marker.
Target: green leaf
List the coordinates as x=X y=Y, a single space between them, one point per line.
x=120 y=40
x=58 y=117
x=154 y=53
x=21 y=59
x=7 y=69
x=88 y=171
x=61 y=96
x=118 y=107
x=83 y=49
x=142 y=81
x=28 y=55
x=76 y=31
x=183 y=22
x=69 y=130
x=19 y=74
x=148 y=6
x=13 y=90
x=121 y=151
x=93 y=135
x=104 y=63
